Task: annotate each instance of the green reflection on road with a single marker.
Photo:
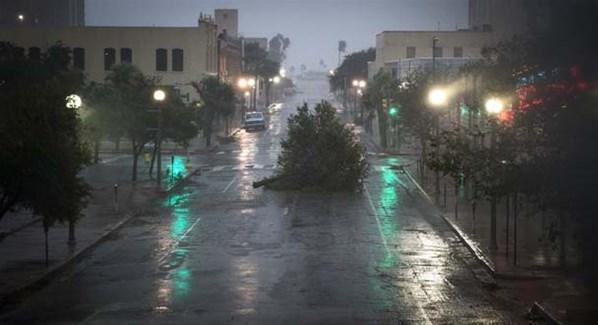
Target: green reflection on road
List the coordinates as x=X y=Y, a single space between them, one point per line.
x=387 y=203
x=182 y=281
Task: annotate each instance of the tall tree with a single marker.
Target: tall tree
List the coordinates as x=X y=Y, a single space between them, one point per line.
x=218 y=98
x=133 y=92
x=41 y=152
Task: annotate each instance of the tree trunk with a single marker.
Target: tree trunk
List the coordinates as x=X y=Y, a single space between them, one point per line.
x=493 y=241
x=72 y=241
x=135 y=158
x=154 y=152
x=47 y=250
x=96 y=151
x=563 y=240
x=456 y=199
x=117 y=144
x=208 y=135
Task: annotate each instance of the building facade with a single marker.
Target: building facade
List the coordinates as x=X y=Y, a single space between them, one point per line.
x=42 y=12
x=227 y=21
x=394 y=47
x=177 y=56
x=505 y=18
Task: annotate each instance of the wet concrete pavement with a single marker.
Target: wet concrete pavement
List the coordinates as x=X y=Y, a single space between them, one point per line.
x=217 y=251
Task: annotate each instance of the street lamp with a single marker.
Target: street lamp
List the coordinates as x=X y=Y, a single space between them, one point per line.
x=494 y=106
x=243 y=83
x=73 y=101
x=355 y=83
x=276 y=79
x=282 y=72
x=159 y=97
x=437 y=97
x=362 y=84
x=21 y=18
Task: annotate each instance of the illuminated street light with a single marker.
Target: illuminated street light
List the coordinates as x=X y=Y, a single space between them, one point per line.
x=494 y=106
x=21 y=17
x=437 y=97
x=251 y=82
x=73 y=101
x=362 y=83
x=276 y=79
x=331 y=72
x=159 y=95
x=359 y=92
x=355 y=83
x=246 y=94
x=282 y=72
x=242 y=83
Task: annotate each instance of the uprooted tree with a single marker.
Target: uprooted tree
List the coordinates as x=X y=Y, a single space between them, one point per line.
x=319 y=152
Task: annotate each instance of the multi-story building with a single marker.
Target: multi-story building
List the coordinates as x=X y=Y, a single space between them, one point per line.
x=504 y=18
x=42 y=12
x=176 y=55
x=400 y=52
x=227 y=21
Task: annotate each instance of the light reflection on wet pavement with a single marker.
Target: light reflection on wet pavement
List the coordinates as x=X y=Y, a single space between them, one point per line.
x=217 y=251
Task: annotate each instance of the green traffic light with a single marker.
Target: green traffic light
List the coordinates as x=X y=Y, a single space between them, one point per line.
x=393 y=111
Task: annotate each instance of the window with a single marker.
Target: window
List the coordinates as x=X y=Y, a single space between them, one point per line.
x=410 y=52
x=177 y=60
x=161 y=60
x=438 y=52
x=79 y=58
x=109 y=58
x=458 y=52
x=35 y=53
x=126 y=55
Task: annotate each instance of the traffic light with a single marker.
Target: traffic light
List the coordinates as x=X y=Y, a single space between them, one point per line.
x=393 y=111
x=384 y=103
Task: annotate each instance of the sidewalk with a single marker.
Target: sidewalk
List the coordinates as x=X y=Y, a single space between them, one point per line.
x=537 y=276
x=22 y=249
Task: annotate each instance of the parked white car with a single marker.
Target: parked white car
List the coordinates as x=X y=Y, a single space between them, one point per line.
x=254 y=120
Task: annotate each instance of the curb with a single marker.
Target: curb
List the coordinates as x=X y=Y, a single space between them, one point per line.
x=182 y=180
x=16 y=295
x=474 y=249
x=539 y=310
x=3 y=235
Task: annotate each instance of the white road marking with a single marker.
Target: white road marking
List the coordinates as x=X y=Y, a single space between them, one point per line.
x=218 y=168
x=176 y=243
x=229 y=184
x=220 y=153
x=113 y=159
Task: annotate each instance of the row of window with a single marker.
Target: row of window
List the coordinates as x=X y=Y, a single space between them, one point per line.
x=438 y=52
x=126 y=56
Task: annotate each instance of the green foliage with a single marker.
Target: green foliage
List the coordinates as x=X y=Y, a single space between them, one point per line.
x=218 y=99
x=41 y=152
x=321 y=152
x=354 y=66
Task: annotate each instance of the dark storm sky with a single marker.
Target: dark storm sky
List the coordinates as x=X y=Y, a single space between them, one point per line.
x=314 y=26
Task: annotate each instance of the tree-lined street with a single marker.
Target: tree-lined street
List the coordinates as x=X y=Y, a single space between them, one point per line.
x=216 y=250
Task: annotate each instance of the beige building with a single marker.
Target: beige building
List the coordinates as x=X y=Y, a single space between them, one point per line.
x=227 y=20
x=393 y=47
x=177 y=56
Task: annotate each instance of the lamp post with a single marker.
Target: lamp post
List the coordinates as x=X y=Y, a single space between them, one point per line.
x=73 y=102
x=494 y=106
x=159 y=97
x=437 y=98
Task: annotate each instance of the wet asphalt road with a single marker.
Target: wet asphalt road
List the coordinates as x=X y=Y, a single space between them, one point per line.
x=217 y=251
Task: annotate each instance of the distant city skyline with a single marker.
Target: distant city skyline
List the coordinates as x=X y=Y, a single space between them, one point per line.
x=308 y=23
